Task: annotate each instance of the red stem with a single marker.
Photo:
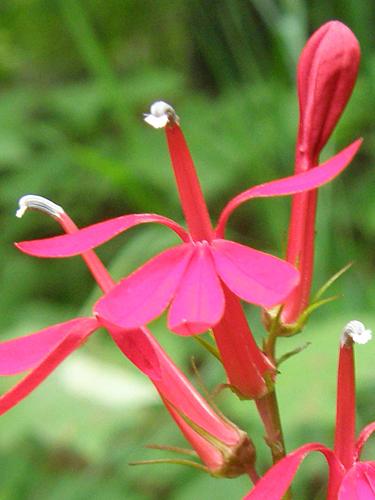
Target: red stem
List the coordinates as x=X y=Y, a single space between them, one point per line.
x=269 y=412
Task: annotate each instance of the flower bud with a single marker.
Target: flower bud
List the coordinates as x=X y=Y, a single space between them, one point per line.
x=327 y=71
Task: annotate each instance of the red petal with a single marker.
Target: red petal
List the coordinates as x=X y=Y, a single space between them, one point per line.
x=199 y=301
x=143 y=295
x=136 y=346
x=191 y=196
x=305 y=181
x=23 y=353
x=277 y=480
x=90 y=237
x=363 y=437
x=359 y=482
x=76 y=331
x=257 y=277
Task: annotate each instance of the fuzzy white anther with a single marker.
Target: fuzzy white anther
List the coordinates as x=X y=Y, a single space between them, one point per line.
x=35 y=202
x=357 y=332
x=160 y=114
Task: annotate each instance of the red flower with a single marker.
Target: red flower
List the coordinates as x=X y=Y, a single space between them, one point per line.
x=202 y=279
x=349 y=478
x=355 y=483
x=191 y=276
x=223 y=447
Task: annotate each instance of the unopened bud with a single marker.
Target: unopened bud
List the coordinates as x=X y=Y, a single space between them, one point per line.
x=327 y=71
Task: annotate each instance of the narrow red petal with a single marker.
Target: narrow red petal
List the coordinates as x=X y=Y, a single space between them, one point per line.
x=278 y=479
x=359 y=482
x=363 y=437
x=76 y=332
x=23 y=353
x=257 y=277
x=191 y=196
x=199 y=300
x=90 y=237
x=144 y=294
x=305 y=181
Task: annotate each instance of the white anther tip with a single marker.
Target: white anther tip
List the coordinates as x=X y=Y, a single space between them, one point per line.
x=357 y=331
x=161 y=113
x=35 y=202
x=21 y=211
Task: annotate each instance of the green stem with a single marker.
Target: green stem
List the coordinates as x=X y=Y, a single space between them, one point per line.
x=269 y=413
x=268 y=410
x=268 y=407
x=253 y=475
x=270 y=343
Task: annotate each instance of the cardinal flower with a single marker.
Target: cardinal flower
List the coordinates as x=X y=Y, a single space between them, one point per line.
x=224 y=449
x=349 y=477
x=204 y=278
x=327 y=71
x=192 y=277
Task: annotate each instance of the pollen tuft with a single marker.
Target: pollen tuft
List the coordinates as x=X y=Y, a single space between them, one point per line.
x=161 y=113
x=357 y=331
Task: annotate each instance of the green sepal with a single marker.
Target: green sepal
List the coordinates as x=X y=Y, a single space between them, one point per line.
x=330 y=282
x=213 y=350
x=210 y=438
x=302 y=320
x=272 y=317
x=182 y=461
x=174 y=449
x=289 y=354
x=232 y=388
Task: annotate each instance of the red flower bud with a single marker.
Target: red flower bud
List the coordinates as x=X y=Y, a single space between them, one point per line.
x=327 y=71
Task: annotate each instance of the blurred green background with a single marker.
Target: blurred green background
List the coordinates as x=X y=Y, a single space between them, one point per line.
x=76 y=76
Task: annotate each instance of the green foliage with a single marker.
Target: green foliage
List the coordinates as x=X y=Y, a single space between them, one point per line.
x=76 y=76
